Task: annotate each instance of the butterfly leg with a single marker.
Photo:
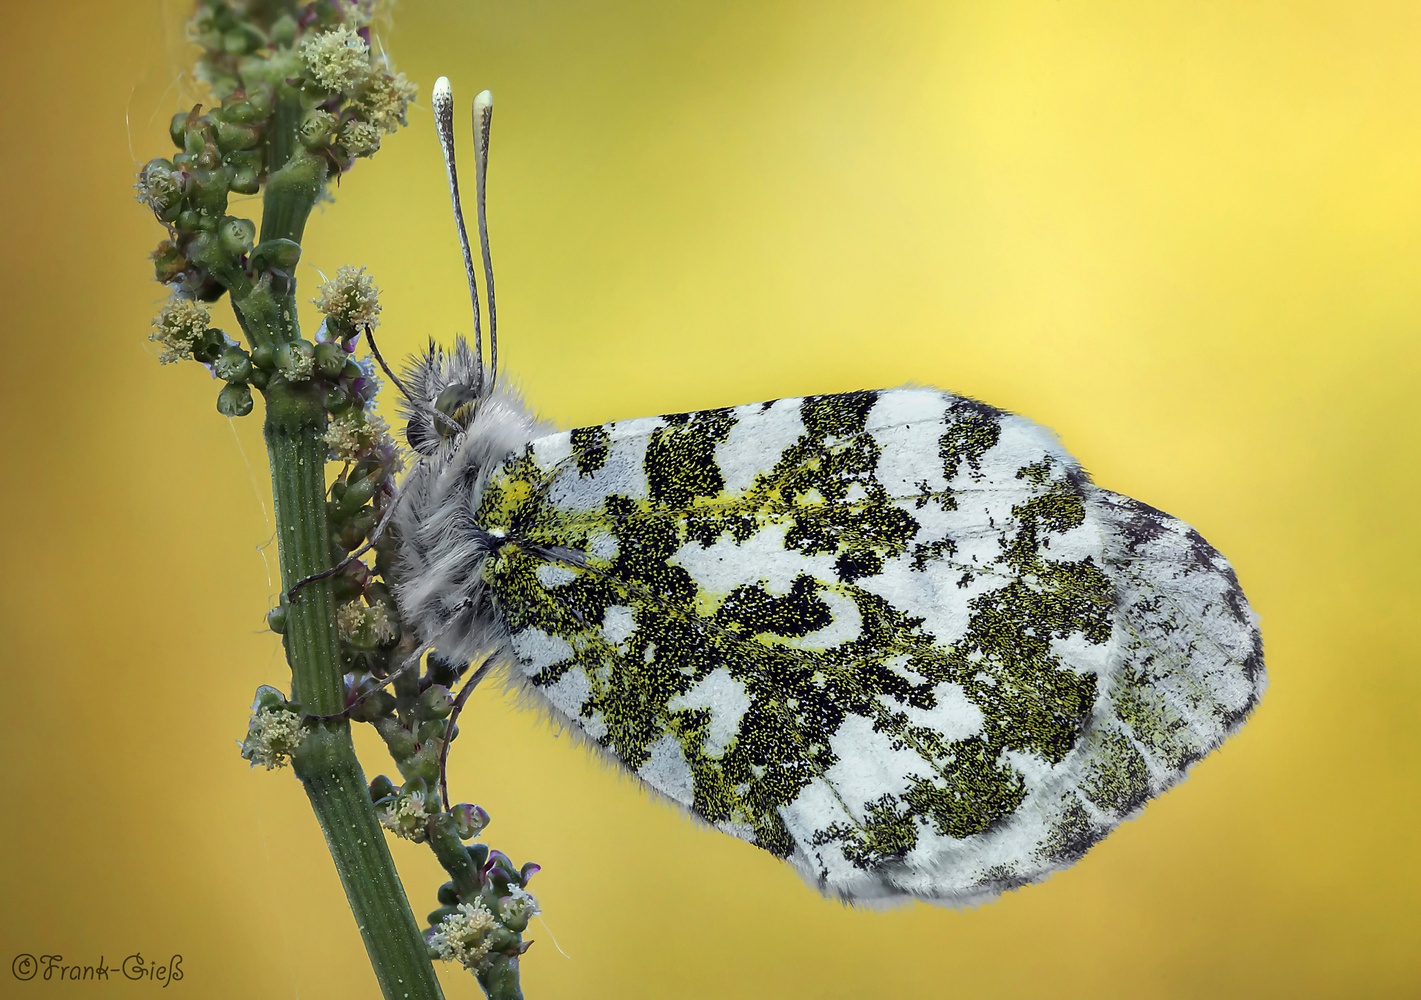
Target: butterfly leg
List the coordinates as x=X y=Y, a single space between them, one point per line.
x=345 y=563
x=459 y=702
x=410 y=662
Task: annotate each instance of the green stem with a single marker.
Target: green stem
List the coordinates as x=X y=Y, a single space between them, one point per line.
x=326 y=761
x=327 y=766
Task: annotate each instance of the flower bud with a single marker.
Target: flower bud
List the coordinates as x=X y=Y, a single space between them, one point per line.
x=234 y=365
x=478 y=854
x=264 y=356
x=278 y=253
x=338 y=399
x=177 y=128
x=296 y=359
x=501 y=938
x=276 y=619
x=435 y=702
x=438 y=916
x=528 y=871
x=237 y=236
x=235 y=400
x=356 y=495
x=241 y=113
x=269 y=699
x=448 y=895
x=232 y=136
x=377 y=704
x=330 y=359
x=381 y=788
x=189 y=220
x=469 y=820
x=246 y=181
x=431 y=731
x=499 y=865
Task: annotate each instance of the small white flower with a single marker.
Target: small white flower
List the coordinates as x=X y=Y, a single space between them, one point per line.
x=350 y=299
x=272 y=736
x=337 y=59
x=178 y=326
x=463 y=936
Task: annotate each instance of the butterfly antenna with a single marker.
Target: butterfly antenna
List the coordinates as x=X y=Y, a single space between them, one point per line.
x=380 y=360
x=444 y=124
x=483 y=119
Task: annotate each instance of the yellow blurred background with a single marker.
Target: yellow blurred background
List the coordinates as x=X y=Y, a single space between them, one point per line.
x=1187 y=236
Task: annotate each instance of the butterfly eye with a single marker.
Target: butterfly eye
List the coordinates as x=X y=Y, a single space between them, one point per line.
x=457 y=403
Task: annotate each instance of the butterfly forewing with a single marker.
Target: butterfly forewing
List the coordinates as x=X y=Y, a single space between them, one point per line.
x=896 y=638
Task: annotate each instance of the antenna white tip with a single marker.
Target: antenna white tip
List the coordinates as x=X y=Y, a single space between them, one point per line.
x=482 y=102
x=443 y=92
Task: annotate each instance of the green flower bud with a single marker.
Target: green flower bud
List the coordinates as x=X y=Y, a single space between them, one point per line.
x=355 y=530
x=436 y=917
x=381 y=788
x=338 y=398
x=357 y=494
x=246 y=181
x=264 y=357
x=235 y=400
x=189 y=221
x=269 y=699
x=296 y=359
x=469 y=820
x=378 y=705
x=261 y=96
x=435 y=702
x=401 y=743
x=177 y=128
x=232 y=136
x=209 y=186
x=241 y=113
x=283 y=254
x=501 y=938
x=237 y=236
x=478 y=854
x=448 y=895
x=233 y=366
x=276 y=619
x=330 y=359
x=431 y=731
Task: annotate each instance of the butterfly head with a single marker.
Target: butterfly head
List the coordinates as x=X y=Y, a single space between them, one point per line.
x=447 y=389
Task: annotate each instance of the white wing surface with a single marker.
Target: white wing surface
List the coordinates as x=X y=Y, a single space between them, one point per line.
x=896 y=638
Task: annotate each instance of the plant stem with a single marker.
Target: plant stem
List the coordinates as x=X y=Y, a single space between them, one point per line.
x=326 y=761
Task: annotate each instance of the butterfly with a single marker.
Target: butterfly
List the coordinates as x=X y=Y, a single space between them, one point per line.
x=897 y=638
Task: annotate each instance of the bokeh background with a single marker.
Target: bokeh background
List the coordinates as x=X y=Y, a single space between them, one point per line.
x=1187 y=236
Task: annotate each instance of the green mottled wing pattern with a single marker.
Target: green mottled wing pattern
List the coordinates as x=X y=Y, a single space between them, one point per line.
x=896 y=638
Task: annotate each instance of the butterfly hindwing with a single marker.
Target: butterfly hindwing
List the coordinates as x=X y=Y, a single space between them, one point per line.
x=896 y=638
